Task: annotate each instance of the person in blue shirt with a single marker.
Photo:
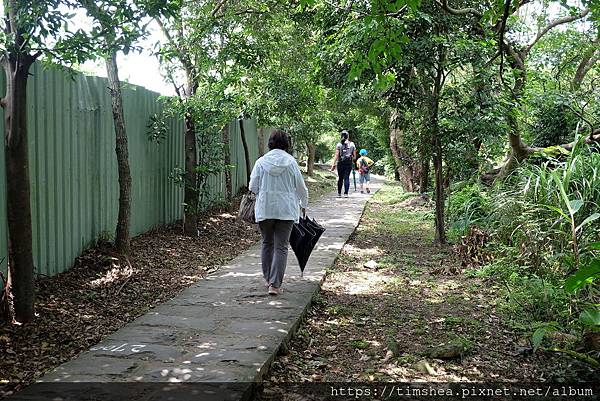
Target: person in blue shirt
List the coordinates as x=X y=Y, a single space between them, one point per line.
x=364 y=169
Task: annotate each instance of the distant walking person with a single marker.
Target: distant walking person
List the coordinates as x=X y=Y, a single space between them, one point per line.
x=364 y=168
x=345 y=152
x=280 y=194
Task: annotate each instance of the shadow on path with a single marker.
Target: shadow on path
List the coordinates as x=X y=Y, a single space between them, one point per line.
x=216 y=338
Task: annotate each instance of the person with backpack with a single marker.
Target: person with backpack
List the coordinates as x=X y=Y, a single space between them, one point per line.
x=345 y=152
x=364 y=169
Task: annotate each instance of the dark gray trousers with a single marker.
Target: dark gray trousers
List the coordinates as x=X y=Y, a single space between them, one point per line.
x=275 y=240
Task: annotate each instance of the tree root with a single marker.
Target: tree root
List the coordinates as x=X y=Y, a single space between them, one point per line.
x=499 y=173
x=577 y=355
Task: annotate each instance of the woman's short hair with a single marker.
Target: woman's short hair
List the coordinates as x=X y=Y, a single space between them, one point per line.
x=279 y=139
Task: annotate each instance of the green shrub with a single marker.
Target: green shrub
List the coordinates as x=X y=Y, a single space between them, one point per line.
x=322 y=153
x=468 y=204
x=553 y=121
x=502 y=266
x=389 y=166
x=531 y=298
x=548 y=212
x=544 y=226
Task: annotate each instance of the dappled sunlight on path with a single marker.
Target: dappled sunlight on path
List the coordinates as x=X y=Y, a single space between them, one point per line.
x=389 y=312
x=224 y=328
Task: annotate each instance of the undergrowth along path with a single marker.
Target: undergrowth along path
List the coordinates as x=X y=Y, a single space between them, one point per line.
x=390 y=310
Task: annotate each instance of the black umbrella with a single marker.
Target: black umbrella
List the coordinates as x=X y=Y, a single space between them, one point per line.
x=315 y=228
x=303 y=239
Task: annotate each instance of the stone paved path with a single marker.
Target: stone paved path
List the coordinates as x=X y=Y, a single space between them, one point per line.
x=218 y=337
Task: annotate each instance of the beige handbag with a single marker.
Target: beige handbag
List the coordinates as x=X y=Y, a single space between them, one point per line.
x=246 y=212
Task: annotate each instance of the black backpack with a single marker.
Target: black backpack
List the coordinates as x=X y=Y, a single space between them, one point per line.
x=343 y=156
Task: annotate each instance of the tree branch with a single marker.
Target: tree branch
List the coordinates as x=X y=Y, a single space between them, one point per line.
x=165 y=31
x=349 y=6
x=175 y=86
x=589 y=58
x=505 y=15
x=593 y=138
x=217 y=8
x=181 y=54
x=456 y=11
x=553 y=24
x=518 y=62
x=34 y=26
x=249 y=11
x=583 y=68
x=397 y=13
x=494 y=57
x=37 y=52
x=522 y=3
x=580 y=115
x=11 y=13
x=511 y=9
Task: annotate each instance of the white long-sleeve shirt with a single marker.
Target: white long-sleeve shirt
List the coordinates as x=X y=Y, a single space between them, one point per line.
x=279 y=187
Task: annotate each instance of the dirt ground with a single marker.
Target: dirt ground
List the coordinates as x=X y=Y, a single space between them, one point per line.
x=100 y=293
x=391 y=310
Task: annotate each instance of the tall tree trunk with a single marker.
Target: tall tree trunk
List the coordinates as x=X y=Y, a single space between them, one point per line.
x=6 y=303
x=447 y=175
x=425 y=158
x=403 y=169
x=518 y=150
x=310 y=163
x=123 y=222
x=395 y=155
x=402 y=160
x=18 y=207
x=440 y=234
x=422 y=164
x=590 y=57
x=227 y=162
x=261 y=142
x=246 y=152
x=190 y=195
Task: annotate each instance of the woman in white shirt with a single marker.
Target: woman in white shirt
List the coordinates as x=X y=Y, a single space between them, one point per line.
x=280 y=194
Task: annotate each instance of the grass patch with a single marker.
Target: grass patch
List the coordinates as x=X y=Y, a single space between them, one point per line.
x=321 y=183
x=337 y=310
x=392 y=194
x=359 y=344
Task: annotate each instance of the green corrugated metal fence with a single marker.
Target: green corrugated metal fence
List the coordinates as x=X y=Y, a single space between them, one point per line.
x=73 y=170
